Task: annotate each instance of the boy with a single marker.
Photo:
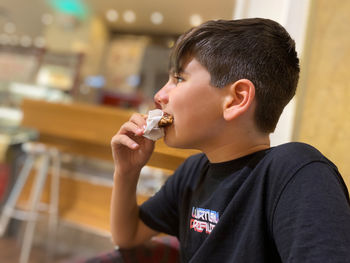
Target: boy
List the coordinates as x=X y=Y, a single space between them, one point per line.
x=240 y=200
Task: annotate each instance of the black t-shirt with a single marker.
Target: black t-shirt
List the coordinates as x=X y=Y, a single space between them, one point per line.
x=284 y=204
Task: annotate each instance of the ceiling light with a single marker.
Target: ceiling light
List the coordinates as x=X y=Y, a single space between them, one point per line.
x=195 y=20
x=112 y=15
x=157 y=18
x=47 y=19
x=129 y=16
x=9 y=28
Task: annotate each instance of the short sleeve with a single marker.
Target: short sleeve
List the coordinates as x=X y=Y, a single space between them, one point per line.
x=312 y=218
x=161 y=211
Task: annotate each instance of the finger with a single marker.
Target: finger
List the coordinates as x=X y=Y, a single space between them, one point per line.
x=130 y=127
x=138 y=119
x=124 y=140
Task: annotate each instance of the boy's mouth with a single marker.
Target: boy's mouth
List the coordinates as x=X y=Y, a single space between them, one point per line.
x=166 y=120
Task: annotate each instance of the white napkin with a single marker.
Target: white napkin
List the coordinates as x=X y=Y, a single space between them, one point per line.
x=152 y=131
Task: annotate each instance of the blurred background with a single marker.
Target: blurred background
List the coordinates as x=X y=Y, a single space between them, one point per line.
x=71 y=71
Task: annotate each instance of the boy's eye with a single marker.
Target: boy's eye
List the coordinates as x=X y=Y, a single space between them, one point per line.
x=178 y=79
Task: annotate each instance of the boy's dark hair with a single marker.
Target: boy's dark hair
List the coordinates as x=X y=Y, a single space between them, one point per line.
x=260 y=50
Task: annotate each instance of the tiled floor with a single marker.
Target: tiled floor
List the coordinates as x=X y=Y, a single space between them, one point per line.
x=72 y=244
x=10 y=251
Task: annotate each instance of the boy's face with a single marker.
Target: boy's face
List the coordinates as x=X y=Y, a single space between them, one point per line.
x=196 y=106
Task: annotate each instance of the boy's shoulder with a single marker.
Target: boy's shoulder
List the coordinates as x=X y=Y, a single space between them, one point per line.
x=294 y=155
x=297 y=151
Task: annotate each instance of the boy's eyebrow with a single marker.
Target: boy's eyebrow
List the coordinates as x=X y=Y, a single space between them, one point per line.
x=173 y=72
x=185 y=72
x=181 y=71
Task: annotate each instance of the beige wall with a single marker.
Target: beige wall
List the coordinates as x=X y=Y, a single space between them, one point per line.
x=323 y=117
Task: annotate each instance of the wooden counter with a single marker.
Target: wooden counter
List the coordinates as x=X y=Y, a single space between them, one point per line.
x=87 y=130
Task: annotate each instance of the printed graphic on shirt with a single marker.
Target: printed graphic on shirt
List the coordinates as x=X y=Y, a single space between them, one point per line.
x=203 y=220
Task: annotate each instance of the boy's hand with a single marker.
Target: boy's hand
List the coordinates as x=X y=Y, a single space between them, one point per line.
x=130 y=149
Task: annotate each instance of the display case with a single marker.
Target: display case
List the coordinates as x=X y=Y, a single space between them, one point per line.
x=29 y=72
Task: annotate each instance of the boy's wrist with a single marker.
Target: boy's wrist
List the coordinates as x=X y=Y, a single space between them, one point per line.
x=129 y=176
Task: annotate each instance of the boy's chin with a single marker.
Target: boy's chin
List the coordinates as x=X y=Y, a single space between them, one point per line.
x=168 y=140
x=175 y=143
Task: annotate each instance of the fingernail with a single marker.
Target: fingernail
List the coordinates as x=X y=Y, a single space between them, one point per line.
x=134 y=146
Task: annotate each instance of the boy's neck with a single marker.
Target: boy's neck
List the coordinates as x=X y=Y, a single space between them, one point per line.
x=236 y=149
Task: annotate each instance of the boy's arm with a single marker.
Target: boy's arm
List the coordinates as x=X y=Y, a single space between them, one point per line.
x=130 y=152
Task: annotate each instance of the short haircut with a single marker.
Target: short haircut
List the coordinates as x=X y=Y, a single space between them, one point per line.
x=257 y=49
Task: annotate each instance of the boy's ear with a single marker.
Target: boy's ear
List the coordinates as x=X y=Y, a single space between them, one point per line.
x=239 y=98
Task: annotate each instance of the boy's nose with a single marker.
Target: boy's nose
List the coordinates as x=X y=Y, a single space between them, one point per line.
x=161 y=98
